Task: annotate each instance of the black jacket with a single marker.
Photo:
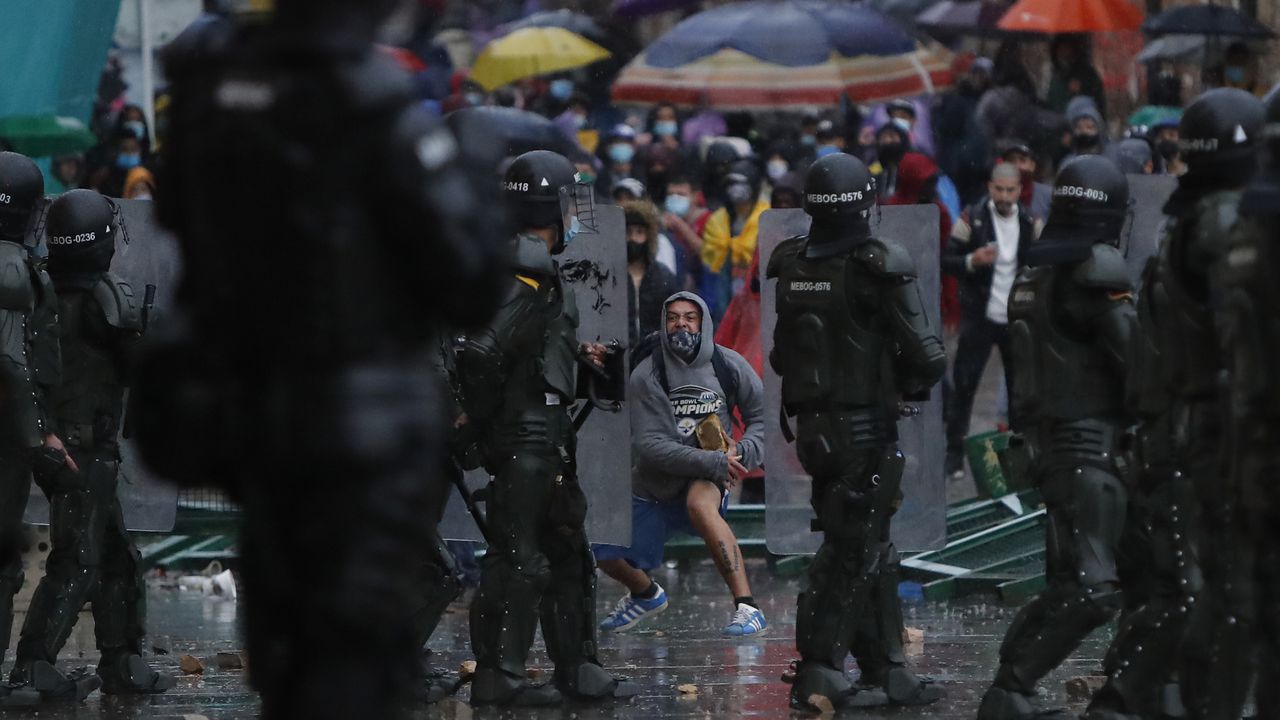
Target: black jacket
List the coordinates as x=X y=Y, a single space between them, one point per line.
x=975 y=285
x=644 y=314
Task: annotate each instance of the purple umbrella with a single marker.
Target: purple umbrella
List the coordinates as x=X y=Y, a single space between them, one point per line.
x=639 y=8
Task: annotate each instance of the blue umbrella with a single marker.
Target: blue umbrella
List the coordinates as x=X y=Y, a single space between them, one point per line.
x=793 y=33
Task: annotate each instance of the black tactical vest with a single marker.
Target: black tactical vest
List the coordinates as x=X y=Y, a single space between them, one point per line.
x=1059 y=374
x=1251 y=272
x=831 y=350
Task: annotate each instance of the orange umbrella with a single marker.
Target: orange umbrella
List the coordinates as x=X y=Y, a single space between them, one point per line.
x=1071 y=16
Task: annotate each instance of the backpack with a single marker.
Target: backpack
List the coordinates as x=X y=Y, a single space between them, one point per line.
x=651 y=345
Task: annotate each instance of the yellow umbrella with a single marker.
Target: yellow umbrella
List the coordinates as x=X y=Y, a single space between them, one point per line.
x=533 y=51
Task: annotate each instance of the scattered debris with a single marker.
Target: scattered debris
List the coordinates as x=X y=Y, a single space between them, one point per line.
x=466 y=669
x=1081 y=689
x=157 y=650
x=229 y=660
x=912 y=636
x=534 y=673
x=687 y=691
x=191 y=665
x=660 y=634
x=789 y=675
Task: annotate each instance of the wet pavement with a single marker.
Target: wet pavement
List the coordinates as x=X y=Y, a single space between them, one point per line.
x=734 y=678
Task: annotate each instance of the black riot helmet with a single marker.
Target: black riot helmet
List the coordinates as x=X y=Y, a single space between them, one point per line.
x=1263 y=195
x=1090 y=205
x=21 y=187
x=1218 y=138
x=542 y=191
x=81 y=231
x=837 y=186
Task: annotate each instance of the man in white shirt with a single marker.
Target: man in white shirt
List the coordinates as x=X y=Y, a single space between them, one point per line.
x=984 y=252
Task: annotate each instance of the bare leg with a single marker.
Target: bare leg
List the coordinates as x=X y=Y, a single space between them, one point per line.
x=635 y=579
x=704 y=514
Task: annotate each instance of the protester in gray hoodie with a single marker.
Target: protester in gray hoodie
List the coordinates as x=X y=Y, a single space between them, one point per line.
x=677 y=483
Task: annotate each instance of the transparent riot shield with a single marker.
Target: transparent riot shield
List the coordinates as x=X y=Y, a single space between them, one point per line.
x=1148 y=194
x=150 y=257
x=921 y=522
x=595 y=265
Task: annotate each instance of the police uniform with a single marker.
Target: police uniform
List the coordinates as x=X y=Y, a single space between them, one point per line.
x=518 y=377
x=294 y=370
x=1219 y=134
x=92 y=554
x=852 y=338
x=29 y=366
x=1071 y=320
x=1250 y=325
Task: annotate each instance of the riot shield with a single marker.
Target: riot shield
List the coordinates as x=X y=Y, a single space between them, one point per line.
x=150 y=257
x=921 y=522
x=1149 y=193
x=595 y=264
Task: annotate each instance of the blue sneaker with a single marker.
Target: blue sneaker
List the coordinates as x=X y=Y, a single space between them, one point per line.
x=746 y=621
x=631 y=610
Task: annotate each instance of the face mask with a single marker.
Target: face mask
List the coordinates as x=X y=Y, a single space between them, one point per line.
x=1028 y=179
x=636 y=251
x=579 y=121
x=685 y=344
x=891 y=153
x=561 y=89
x=137 y=128
x=1234 y=74
x=903 y=124
x=738 y=193
x=826 y=150
x=665 y=128
x=474 y=99
x=678 y=204
x=777 y=169
x=808 y=140
x=621 y=153
x=128 y=161
x=1084 y=141
x=1168 y=149
x=572 y=231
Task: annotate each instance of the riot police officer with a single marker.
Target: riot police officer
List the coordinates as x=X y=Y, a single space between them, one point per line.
x=518 y=378
x=1250 y=320
x=1071 y=321
x=293 y=372
x=1218 y=140
x=1158 y=563
x=852 y=339
x=92 y=554
x=29 y=366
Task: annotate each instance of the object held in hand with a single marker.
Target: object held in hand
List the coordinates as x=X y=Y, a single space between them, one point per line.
x=710 y=434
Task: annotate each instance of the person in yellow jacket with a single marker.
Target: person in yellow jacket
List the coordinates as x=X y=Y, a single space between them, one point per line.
x=729 y=240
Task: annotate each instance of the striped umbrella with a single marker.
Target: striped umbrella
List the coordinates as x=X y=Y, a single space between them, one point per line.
x=772 y=54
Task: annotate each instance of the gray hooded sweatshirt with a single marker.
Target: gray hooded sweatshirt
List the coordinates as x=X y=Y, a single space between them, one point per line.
x=664 y=448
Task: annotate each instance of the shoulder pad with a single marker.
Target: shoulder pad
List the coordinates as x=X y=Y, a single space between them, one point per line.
x=1217 y=214
x=119 y=308
x=530 y=256
x=16 y=291
x=1105 y=268
x=886 y=257
x=786 y=250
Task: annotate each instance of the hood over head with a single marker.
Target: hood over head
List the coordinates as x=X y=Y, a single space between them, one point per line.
x=914 y=173
x=708 y=331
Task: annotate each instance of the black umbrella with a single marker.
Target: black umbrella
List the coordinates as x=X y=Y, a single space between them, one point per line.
x=1205 y=20
x=515 y=131
x=964 y=17
x=567 y=19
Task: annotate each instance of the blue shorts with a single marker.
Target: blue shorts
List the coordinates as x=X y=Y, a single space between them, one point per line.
x=652 y=524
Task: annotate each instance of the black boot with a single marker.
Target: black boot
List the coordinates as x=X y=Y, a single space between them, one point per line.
x=130 y=675
x=494 y=687
x=54 y=686
x=589 y=681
